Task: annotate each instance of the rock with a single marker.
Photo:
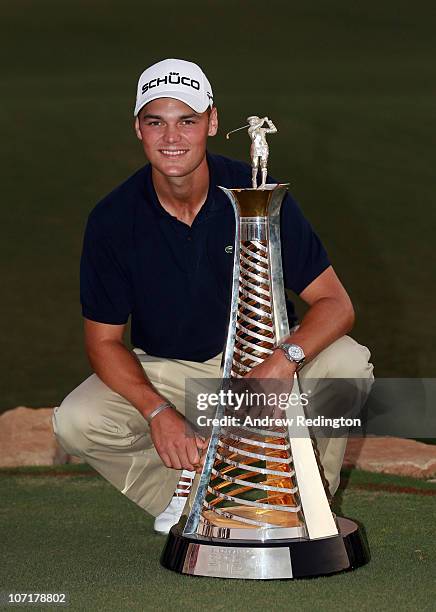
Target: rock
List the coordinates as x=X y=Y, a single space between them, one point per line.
x=26 y=438
x=391 y=456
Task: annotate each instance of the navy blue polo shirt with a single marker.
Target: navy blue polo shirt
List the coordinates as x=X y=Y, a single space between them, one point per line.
x=174 y=281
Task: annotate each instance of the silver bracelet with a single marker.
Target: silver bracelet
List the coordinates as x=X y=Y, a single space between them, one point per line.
x=157 y=410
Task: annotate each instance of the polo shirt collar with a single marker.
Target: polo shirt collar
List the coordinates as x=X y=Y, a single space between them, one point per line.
x=210 y=206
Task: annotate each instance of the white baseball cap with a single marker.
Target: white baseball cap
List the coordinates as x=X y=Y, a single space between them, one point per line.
x=174 y=78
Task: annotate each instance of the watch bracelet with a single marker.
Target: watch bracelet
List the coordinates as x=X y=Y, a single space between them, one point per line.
x=299 y=363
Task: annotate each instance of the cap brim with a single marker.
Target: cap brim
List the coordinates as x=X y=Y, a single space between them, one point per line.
x=191 y=101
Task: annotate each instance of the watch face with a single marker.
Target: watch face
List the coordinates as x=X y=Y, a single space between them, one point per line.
x=295 y=352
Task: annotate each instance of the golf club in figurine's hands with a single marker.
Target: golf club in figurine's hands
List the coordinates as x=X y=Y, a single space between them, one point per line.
x=260 y=510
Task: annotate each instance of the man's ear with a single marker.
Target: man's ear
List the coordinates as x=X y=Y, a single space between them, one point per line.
x=137 y=130
x=213 y=122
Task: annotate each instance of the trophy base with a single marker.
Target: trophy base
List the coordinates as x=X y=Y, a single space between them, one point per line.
x=268 y=560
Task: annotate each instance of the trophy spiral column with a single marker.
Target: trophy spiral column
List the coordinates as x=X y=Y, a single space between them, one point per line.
x=252 y=492
x=260 y=510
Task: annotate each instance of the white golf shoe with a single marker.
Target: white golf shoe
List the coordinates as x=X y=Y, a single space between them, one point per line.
x=172 y=513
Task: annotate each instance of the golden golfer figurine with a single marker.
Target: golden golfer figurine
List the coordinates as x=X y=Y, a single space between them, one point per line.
x=260 y=510
x=259 y=150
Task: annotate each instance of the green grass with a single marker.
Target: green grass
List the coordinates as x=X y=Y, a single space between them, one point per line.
x=350 y=88
x=77 y=534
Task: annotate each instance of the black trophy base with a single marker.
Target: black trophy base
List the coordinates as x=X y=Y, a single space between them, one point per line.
x=272 y=559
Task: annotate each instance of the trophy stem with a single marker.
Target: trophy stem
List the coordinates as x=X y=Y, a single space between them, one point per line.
x=260 y=510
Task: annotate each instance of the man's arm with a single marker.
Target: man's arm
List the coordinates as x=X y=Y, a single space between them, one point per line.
x=120 y=370
x=330 y=316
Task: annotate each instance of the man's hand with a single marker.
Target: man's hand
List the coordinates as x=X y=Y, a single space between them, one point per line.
x=121 y=370
x=178 y=447
x=275 y=365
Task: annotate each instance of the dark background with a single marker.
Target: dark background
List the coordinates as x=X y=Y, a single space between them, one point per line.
x=349 y=85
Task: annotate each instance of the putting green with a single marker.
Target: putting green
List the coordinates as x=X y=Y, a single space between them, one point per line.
x=73 y=532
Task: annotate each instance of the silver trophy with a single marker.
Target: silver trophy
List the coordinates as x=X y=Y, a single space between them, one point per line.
x=260 y=510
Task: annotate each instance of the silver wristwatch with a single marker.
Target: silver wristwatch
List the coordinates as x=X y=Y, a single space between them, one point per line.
x=293 y=352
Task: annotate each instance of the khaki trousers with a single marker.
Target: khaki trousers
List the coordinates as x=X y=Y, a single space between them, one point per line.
x=100 y=426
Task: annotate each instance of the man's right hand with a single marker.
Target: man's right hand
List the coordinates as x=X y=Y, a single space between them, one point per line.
x=177 y=445
x=121 y=370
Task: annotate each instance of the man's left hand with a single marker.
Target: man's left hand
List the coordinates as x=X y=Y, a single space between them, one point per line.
x=274 y=366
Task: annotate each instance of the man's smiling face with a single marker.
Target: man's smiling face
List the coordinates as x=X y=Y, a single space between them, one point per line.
x=174 y=136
